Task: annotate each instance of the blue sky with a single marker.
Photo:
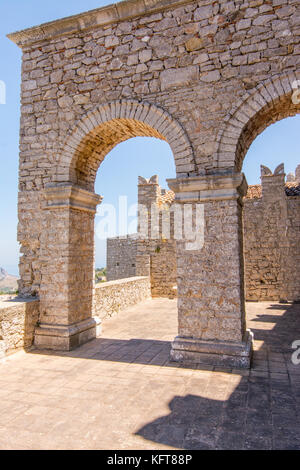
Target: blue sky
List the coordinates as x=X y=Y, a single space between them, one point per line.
x=119 y=172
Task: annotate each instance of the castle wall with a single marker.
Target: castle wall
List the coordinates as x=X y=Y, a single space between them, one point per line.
x=129 y=257
x=271 y=243
x=121 y=257
x=146 y=256
x=292 y=261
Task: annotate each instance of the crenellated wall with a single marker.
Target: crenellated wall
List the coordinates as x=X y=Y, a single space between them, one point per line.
x=272 y=238
x=139 y=255
x=271 y=217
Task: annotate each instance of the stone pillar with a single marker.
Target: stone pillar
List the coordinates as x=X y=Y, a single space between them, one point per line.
x=211 y=304
x=67 y=253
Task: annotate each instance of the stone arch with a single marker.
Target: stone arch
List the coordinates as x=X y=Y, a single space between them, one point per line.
x=268 y=103
x=109 y=124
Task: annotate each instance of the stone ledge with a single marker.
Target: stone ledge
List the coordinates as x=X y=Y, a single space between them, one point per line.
x=126 y=280
x=69 y=196
x=209 y=188
x=113 y=13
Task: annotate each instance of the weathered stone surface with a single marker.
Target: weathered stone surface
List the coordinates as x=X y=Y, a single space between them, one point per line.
x=271 y=239
x=174 y=78
x=194 y=44
x=18 y=319
x=114 y=296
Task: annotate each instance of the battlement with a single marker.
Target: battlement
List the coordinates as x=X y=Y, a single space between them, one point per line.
x=275 y=183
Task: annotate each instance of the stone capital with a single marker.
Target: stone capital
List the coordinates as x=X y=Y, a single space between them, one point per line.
x=73 y=197
x=209 y=188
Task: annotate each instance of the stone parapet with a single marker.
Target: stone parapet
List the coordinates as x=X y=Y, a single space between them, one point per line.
x=18 y=318
x=114 y=296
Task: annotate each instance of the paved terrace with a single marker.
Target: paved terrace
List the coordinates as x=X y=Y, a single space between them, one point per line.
x=121 y=392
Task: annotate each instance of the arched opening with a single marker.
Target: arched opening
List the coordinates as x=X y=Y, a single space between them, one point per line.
x=270 y=102
x=140 y=273
x=271 y=214
x=126 y=183
x=270 y=209
x=84 y=151
x=108 y=125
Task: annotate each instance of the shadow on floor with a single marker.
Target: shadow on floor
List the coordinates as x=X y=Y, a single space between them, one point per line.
x=263 y=410
x=250 y=419
x=133 y=351
x=278 y=339
x=261 y=413
x=286 y=327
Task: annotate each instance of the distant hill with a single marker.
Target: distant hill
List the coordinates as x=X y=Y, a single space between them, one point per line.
x=3 y=274
x=8 y=283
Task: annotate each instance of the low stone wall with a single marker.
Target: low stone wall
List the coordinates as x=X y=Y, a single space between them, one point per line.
x=113 y=296
x=18 y=318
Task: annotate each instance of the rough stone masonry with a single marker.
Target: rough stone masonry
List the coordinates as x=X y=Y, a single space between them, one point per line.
x=205 y=76
x=271 y=221
x=153 y=257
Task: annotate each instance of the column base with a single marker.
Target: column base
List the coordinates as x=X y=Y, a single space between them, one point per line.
x=66 y=338
x=214 y=353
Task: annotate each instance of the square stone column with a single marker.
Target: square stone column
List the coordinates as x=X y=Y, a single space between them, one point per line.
x=67 y=252
x=211 y=303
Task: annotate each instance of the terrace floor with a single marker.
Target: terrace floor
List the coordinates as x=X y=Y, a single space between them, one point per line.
x=121 y=392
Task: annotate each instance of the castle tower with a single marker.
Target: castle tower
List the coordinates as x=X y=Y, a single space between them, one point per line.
x=290 y=178
x=274 y=219
x=148 y=196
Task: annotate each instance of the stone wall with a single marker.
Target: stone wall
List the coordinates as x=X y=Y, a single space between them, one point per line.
x=271 y=241
x=18 y=319
x=111 y=297
x=272 y=238
x=292 y=261
x=190 y=65
x=163 y=269
x=121 y=257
